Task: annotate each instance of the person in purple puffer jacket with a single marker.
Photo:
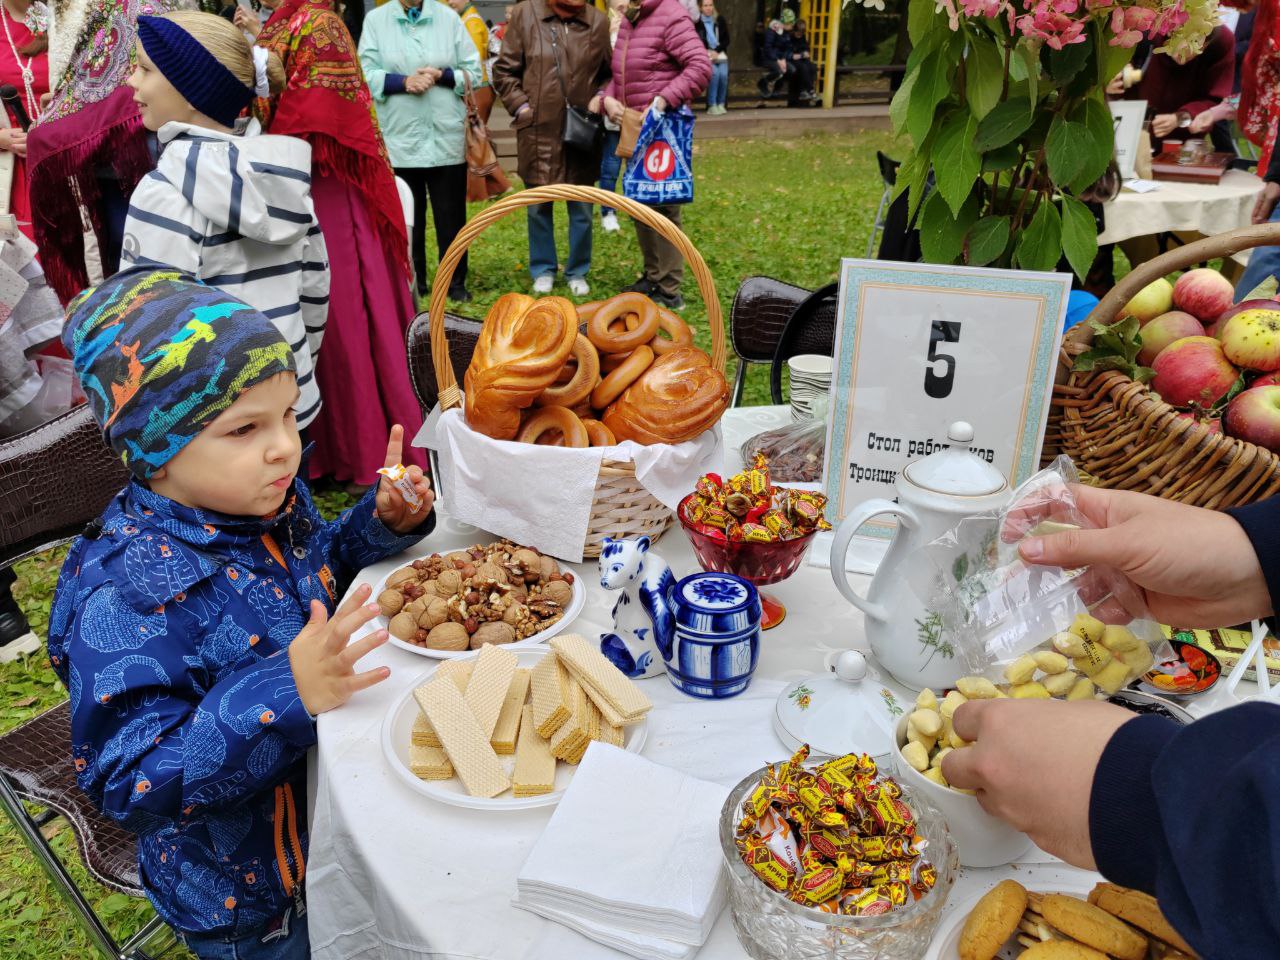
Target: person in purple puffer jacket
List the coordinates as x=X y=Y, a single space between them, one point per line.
x=658 y=61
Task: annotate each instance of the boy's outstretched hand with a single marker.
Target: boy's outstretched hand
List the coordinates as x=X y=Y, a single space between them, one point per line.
x=323 y=659
x=393 y=511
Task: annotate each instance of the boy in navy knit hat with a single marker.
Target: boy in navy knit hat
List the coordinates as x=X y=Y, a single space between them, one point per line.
x=194 y=623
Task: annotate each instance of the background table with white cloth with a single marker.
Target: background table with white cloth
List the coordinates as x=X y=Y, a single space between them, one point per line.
x=394 y=874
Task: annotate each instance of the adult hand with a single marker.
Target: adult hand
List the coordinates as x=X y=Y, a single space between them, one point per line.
x=594 y=105
x=782 y=65
x=247 y=22
x=393 y=510
x=1116 y=87
x=659 y=105
x=613 y=109
x=418 y=83
x=1203 y=121
x=323 y=659
x=1164 y=124
x=1032 y=763
x=13 y=140
x=1266 y=202
x=1194 y=567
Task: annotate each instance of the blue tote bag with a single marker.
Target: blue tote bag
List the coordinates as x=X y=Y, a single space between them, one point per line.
x=660 y=170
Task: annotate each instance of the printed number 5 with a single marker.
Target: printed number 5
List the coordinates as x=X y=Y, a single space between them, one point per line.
x=939 y=385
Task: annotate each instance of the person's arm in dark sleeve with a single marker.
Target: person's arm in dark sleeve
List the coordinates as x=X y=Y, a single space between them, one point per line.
x=1261 y=520
x=1191 y=814
x=1220 y=72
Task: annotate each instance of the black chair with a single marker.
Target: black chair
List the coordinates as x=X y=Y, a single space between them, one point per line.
x=761 y=308
x=463 y=333
x=812 y=329
x=888 y=174
x=54 y=480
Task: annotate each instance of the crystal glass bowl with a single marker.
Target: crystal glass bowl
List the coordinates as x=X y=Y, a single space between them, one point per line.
x=761 y=563
x=771 y=927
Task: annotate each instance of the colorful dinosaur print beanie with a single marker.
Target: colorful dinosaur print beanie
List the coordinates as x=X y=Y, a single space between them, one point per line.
x=160 y=355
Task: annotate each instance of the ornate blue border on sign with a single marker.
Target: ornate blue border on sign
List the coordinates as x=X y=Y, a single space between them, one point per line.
x=1051 y=288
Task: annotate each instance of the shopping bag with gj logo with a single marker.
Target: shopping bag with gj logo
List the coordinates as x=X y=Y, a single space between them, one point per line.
x=661 y=168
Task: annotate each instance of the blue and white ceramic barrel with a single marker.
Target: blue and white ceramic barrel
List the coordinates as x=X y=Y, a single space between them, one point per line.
x=717 y=635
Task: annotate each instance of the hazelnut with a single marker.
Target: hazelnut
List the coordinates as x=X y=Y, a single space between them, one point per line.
x=448 y=636
x=411 y=591
x=420 y=636
x=390 y=602
x=568 y=577
x=495 y=633
x=402 y=626
x=555 y=578
x=473 y=597
x=468 y=570
x=420 y=565
x=471 y=625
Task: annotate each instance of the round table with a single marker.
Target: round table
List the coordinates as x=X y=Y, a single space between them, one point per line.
x=1206 y=208
x=395 y=874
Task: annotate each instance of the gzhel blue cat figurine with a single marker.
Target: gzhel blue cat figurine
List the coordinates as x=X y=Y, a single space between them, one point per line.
x=643 y=626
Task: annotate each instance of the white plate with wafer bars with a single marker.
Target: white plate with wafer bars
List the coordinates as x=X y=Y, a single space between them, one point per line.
x=504 y=729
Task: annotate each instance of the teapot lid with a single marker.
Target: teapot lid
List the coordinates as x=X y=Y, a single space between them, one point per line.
x=956 y=470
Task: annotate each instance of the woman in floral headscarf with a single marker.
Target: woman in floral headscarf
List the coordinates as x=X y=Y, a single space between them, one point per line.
x=362 y=370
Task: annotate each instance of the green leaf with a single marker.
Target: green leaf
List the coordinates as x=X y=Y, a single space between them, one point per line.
x=1266 y=290
x=987 y=240
x=960 y=567
x=1111 y=60
x=1099 y=141
x=1066 y=150
x=956 y=164
x=901 y=103
x=1115 y=347
x=932 y=85
x=1001 y=158
x=983 y=76
x=925 y=48
x=1063 y=65
x=1220 y=407
x=1024 y=65
x=1079 y=235
x=941 y=233
x=1004 y=124
x=1040 y=245
x=923 y=16
x=113 y=904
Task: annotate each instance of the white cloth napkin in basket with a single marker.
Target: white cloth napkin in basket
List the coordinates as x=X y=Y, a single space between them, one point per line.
x=631 y=856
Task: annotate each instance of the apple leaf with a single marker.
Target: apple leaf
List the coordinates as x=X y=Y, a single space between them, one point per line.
x=1266 y=290
x=1239 y=386
x=1115 y=347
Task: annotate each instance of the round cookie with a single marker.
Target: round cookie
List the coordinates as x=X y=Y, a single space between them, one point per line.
x=1061 y=950
x=993 y=921
x=1093 y=926
x=1139 y=909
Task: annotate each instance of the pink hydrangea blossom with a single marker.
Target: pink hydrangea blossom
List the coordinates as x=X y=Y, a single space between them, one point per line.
x=1045 y=22
x=1130 y=25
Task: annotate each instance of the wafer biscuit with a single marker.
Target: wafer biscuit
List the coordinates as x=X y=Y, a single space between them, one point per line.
x=488 y=685
x=571 y=738
x=466 y=744
x=614 y=736
x=535 y=771
x=504 y=732
x=429 y=763
x=549 y=682
x=459 y=671
x=620 y=701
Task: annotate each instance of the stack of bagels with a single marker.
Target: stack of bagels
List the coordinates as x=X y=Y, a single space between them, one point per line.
x=545 y=372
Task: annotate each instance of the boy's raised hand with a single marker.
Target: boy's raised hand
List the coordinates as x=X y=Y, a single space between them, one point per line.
x=323 y=659
x=393 y=511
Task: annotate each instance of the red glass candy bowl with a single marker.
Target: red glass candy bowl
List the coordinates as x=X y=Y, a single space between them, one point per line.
x=761 y=563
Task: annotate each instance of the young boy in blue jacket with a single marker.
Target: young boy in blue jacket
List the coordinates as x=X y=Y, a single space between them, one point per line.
x=194 y=621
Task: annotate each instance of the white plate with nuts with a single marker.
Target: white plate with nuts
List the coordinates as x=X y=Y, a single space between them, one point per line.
x=446 y=606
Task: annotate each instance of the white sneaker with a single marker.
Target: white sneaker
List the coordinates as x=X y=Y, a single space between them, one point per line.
x=544 y=284
x=578 y=287
x=610 y=222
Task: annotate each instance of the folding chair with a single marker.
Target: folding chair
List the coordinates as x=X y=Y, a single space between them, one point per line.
x=53 y=480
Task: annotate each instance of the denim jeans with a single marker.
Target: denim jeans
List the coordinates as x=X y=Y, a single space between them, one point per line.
x=718 y=88
x=287 y=941
x=542 y=240
x=1263 y=262
x=610 y=165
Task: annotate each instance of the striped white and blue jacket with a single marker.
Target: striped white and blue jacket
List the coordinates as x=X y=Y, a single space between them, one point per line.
x=235 y=211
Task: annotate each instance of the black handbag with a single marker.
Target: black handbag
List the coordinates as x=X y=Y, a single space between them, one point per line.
x=582 y=128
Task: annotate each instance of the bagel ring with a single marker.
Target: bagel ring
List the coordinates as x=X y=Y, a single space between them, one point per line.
x=675 y=328
x=620 y=342
x=588 y=310
x=555 y=418
x=598 y=434
x=610 y=362
x=627 y=373
x=583 y=381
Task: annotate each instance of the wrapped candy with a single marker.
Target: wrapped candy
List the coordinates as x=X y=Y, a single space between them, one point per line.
x=747 y=507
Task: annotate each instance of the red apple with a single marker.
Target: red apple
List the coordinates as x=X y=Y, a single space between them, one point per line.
x=1193 y=371
x=1151 y=301
x=1215 y=329
x=1270 y=380
x=1213 y=424
x=1203 y=293
x=1164 y=330
x=1254 y=415
x=1251 y=338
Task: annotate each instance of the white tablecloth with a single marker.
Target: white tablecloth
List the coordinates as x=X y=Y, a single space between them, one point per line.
x=393 y=874
x=1201 y=207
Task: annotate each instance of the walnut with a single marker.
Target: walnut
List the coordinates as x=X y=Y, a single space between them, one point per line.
x=515 y=614
x=448 y=636
x=390 y=602
x=491 y=572
x=477 y=552
x=403 y=575
x=495 y=633
x=519 y=592
x=545 y=609
x=523 y=565
x=559 y=592
x=548 y=567
x=435 y=612
x=415 y=608
x=449 y=583
x=403 y=626
x=430 y=588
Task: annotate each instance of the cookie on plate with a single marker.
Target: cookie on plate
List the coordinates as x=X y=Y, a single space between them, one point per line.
x=1092 y=926
x=993 y=921
x=1061 y=950
x=1139 y=909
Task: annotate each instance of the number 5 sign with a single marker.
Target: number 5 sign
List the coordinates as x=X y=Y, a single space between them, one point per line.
x=920 y=346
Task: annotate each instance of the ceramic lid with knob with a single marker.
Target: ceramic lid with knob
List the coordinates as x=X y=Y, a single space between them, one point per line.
x=956 y=470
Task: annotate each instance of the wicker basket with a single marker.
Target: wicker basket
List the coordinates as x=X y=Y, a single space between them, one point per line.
x=1121 y=435
x=621 y=507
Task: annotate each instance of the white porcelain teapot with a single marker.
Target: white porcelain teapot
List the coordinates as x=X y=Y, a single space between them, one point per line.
x=934 y=494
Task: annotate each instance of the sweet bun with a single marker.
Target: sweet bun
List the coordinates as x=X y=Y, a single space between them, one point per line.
x=993 y=921
x=1060 y=950
x=1092 y=926
x=523 y=345
x=678 y=398
x=1139 y=909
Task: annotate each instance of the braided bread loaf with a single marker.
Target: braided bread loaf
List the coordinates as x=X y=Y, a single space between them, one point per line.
x=678 y=398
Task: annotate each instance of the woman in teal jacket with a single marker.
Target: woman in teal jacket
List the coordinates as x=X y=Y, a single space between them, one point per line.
x=417 y=59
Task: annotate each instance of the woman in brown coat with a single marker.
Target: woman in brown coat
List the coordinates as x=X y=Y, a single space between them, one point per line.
x=541 y=36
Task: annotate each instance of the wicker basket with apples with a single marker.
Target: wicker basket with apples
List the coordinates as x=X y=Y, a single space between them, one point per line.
x=1171 y=387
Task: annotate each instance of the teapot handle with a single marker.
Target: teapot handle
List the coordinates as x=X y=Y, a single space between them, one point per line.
x=844 y=536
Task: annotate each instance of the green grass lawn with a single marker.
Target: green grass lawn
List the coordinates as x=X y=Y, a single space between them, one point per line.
x=787 y=208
